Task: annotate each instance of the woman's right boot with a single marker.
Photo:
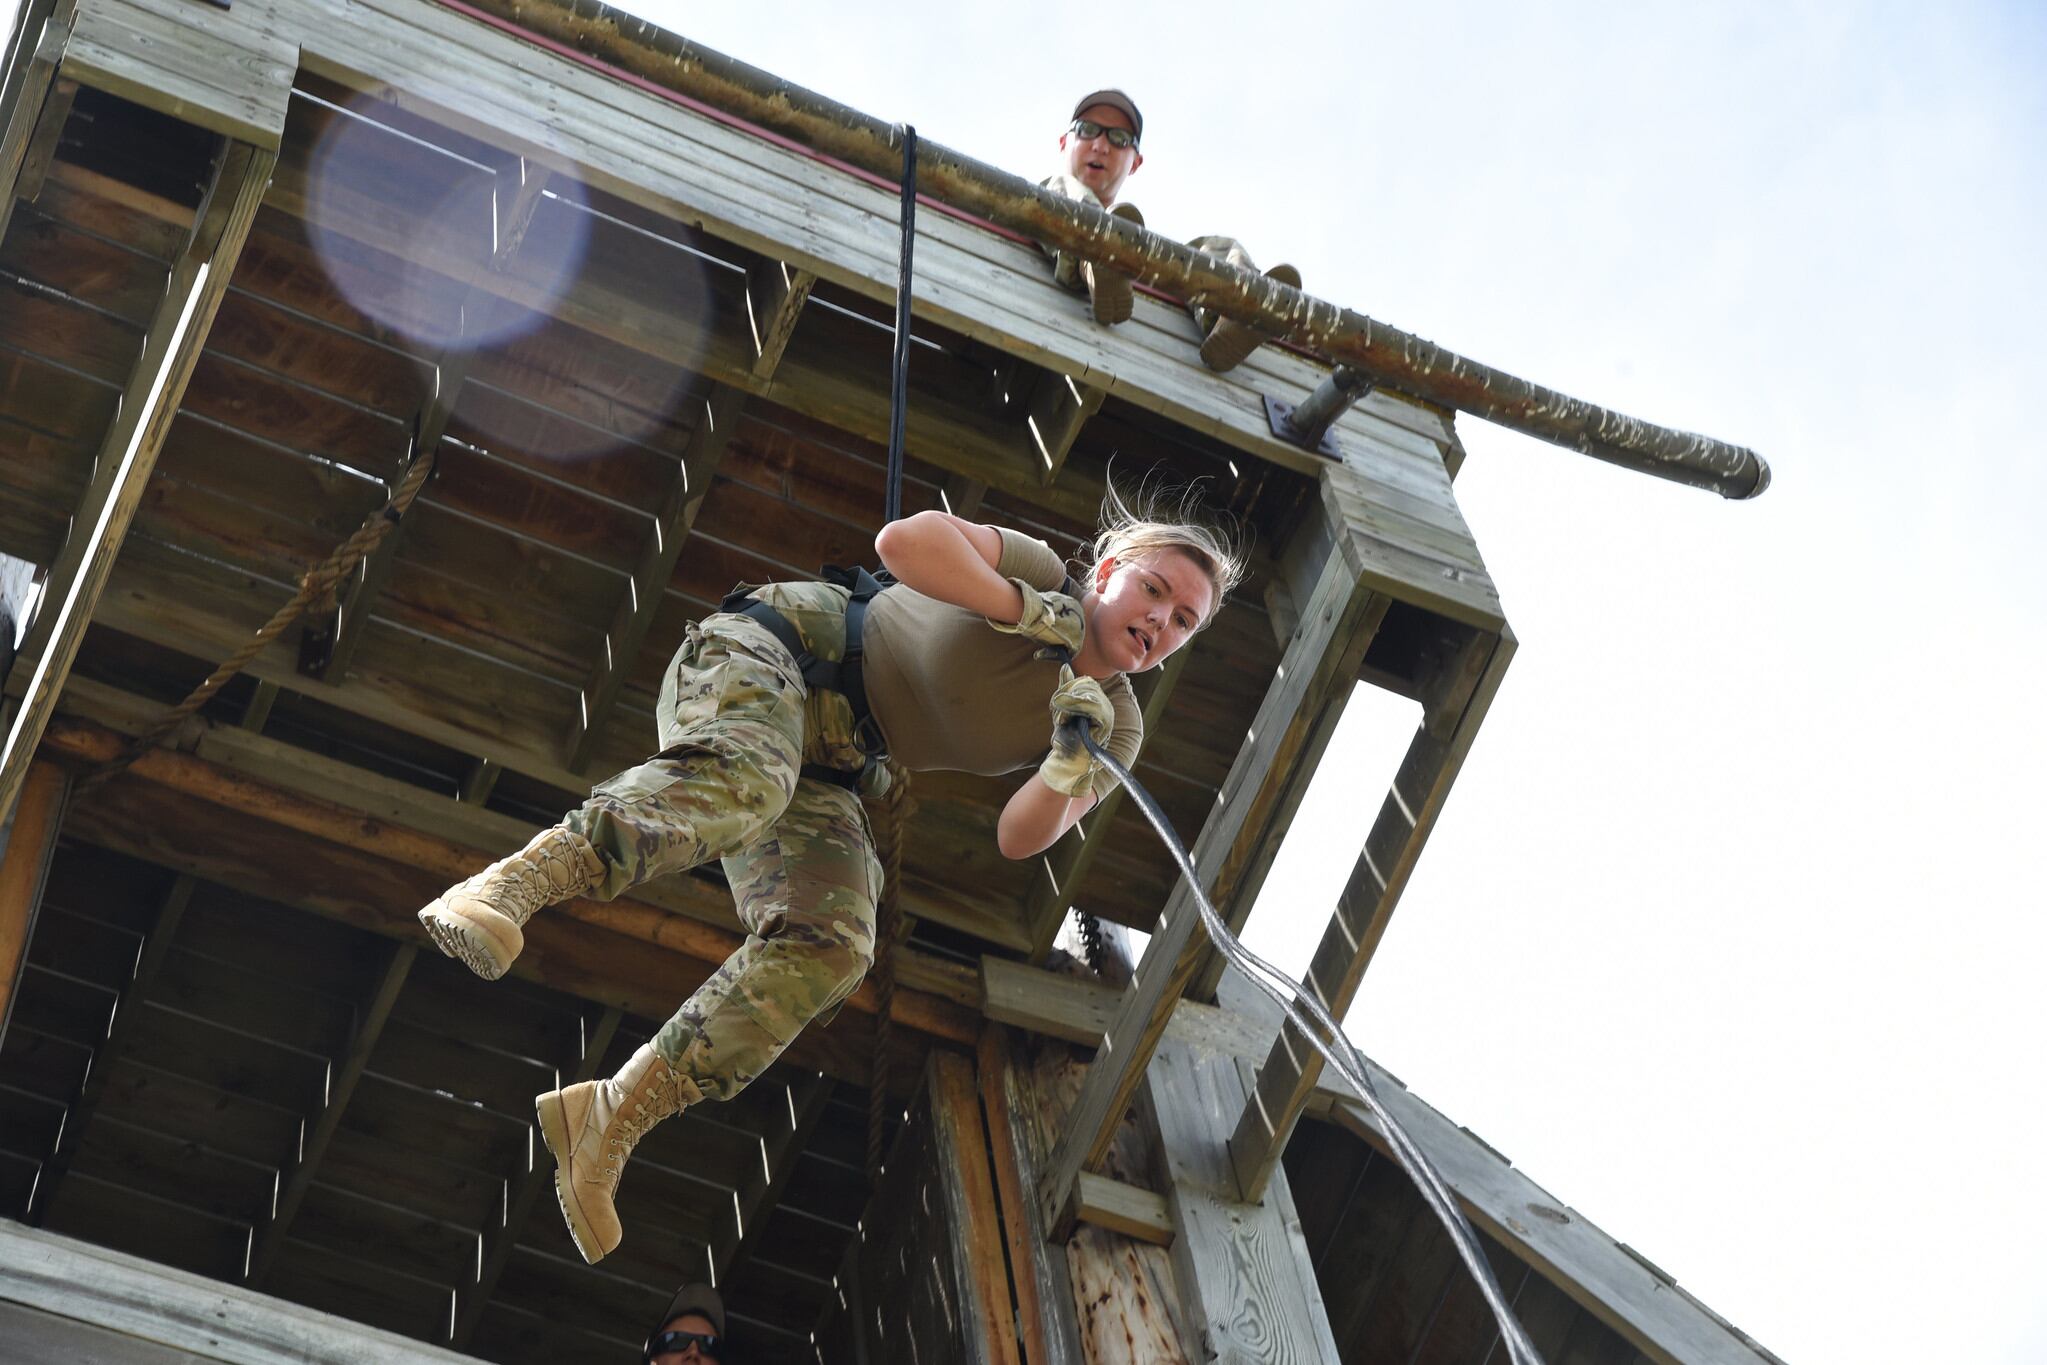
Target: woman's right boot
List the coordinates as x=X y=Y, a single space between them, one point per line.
x=479 y=921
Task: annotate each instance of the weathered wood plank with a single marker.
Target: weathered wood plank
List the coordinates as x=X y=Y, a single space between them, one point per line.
x=775 y=295
x=1311 y=673
x=1122 y=1208
x=31 y=837
x=1247 y=1287
x=35 y=47
x=1391 y=851
x=1039 y=1274
x=186 y=1312
x=169 y=352
x=215 y=68
x=961 y=1147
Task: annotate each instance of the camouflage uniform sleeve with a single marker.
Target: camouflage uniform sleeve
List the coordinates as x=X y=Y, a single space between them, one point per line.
x=1030 y=559
x=1129 y=734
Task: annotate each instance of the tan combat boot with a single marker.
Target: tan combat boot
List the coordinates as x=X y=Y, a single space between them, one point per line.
x=478 y=921
x=591 y=1129
x=1108 y=289
x=1229 y=343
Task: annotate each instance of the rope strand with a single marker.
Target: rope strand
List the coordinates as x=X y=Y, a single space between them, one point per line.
x=318 y=582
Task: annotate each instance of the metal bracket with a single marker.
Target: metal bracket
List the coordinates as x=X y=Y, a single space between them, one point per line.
x=1279 y=414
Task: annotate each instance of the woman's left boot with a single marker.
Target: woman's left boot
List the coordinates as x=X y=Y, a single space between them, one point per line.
x=592 y=1128
x=480 y=922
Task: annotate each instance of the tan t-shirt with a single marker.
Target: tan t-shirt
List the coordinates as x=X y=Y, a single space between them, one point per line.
x=949 y=691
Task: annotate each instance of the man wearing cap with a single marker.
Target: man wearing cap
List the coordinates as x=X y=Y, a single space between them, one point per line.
x=1099 y=151
x=691 y=1331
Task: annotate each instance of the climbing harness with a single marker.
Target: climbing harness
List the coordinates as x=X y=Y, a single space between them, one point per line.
x=843 y=675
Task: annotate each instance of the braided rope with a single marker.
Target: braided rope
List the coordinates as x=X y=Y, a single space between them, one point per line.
x=887 y=814
x=319 y=582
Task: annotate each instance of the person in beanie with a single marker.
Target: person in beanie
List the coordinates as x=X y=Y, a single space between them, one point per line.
x=691 y=1331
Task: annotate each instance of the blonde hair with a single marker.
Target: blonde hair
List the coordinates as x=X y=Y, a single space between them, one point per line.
x=1169 y=519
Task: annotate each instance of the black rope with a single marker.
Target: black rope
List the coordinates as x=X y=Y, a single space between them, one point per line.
x=1315 y=1023
x=900 y=374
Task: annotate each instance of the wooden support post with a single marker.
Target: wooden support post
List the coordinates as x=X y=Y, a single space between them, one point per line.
x=1319 y=664
x=42 y=146
x=1059 y=409
x=1248 y=1292
x=960 y=1144
x=270 y=1239
x=1055 y=886
x=169 y=351
x=752 y=1203
x=1038 y=1269
x=522 y=1193
x=634 y=616
x=39 y=41
x=775 y=295
x=31 y=837
x=1290 y=1073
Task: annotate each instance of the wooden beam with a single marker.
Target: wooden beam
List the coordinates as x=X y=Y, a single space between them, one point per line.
x=183 y=1317
x=641 y=601
x=807 y=380
x=1061 y=869
x=521 y=1194
x=121 y=1031
x=170 y=349
x=960 y=1146
x=1246 y=1282
x=1311 y=672
x=1038 y=1269
x=31 y=837
x=369 y=1026
x=1388 y=859
x=1059 y=409
x=1125 y=1209
x=38 y=48
x=422 y=860
x=42 y=147
x=775 y=294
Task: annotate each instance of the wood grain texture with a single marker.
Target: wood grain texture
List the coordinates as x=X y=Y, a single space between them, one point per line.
x=227 y=70
x=185 y=1312
x=31 y=836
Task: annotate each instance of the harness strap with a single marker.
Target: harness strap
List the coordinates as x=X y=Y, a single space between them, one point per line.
x=842 y=675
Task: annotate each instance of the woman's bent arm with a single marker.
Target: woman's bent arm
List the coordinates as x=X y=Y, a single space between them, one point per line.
x=951 y=559
x=1035 y=817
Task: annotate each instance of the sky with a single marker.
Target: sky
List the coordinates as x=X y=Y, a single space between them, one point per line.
x=1727 y=935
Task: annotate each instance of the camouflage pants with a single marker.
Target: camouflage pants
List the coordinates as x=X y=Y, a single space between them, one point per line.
x=736 y=726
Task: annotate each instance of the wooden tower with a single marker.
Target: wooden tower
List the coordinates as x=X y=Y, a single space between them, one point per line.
x=261 y=259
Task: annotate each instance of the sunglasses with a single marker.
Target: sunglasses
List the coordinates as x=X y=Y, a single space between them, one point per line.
x=707 y=1343
x=1085 y=128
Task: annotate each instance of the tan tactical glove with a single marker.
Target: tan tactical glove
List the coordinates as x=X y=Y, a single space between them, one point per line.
x=1070 y=769
x=1051 y=618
